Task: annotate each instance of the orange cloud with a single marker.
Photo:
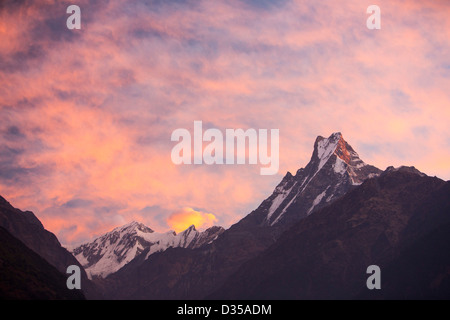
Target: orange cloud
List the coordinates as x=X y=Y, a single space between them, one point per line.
x=181 y=220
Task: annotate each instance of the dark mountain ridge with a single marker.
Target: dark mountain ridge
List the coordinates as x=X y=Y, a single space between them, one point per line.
x=399 y=221
x=24 y=275
x=24 y=226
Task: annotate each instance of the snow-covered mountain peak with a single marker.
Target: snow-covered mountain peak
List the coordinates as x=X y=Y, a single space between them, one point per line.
x=190 y=229
x=344 y=160
x=133 y=227
x=334 y=168
x=113 y=250
x=324 y=148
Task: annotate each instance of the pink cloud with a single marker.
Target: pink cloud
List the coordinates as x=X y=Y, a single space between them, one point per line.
x=94 y=111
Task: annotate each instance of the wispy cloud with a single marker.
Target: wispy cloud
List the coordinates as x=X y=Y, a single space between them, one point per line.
x=86 y=115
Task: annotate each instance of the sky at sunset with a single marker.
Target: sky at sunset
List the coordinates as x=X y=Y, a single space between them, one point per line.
x=86 y=116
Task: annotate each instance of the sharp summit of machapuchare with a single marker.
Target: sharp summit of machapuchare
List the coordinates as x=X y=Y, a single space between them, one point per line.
x=334 y=144
x=334 y=168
